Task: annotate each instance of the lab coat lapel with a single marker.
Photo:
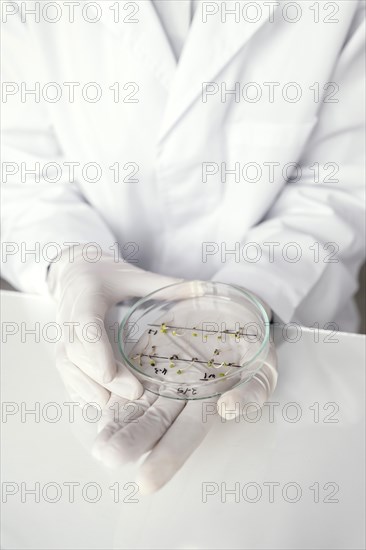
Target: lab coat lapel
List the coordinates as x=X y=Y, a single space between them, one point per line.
x=141 y=27
x=209 y=47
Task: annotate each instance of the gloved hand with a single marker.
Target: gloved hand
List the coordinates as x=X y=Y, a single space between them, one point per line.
x=84 y=291
x=172 y=429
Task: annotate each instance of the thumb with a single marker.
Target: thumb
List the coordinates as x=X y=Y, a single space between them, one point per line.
x=131 y=281
x=257 y=390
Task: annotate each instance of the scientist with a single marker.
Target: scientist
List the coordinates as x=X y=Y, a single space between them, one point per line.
x=152 y=141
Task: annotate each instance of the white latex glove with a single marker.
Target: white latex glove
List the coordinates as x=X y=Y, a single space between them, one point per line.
x=172 y=429
x=84 y=291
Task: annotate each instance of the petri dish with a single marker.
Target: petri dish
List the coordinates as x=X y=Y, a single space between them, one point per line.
x=195 y=339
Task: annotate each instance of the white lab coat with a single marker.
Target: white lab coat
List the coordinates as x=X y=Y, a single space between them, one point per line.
x=164 y=213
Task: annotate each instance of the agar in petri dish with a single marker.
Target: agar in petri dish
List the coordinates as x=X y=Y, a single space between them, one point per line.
x=194 y=340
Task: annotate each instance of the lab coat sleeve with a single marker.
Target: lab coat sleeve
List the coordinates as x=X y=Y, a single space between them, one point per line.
x=39 y=216
x=330 y=213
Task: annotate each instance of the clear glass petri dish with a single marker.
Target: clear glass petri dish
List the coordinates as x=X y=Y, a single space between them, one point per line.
x=194 y=340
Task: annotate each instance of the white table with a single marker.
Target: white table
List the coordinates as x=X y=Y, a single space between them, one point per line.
x=323 y=450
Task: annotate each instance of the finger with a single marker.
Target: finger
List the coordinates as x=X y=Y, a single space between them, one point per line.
x=138 y=437
x=257 y=390
x=124 y=384
x=81 y=387
x=87 y=317
x=98 y=350
x=117 y=414
x=119 y=411
x=170 y=453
